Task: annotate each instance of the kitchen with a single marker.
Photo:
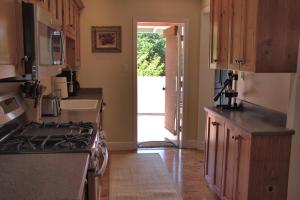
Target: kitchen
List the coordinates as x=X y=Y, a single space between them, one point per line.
x=113 y=73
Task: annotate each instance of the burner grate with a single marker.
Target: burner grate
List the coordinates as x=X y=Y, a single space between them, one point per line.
x=50 y=137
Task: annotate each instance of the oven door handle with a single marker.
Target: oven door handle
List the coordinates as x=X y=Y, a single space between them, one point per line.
x=101 y=171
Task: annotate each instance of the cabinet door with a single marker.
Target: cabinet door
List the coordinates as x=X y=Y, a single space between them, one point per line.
x=56 y=9
x=248 y=35
x=210 y=146
x=230 y=162
x=243 y=166
x=219 y=34
x=10 y=36
x=46 y=4
x=214 y=152
x=235 y=20
x=236 y=164
x=66 y=13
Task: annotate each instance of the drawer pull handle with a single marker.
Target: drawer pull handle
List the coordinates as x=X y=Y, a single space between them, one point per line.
x=214 y=123
x=235 y=137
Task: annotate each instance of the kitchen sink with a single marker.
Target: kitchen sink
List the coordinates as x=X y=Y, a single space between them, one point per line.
x=78 y=104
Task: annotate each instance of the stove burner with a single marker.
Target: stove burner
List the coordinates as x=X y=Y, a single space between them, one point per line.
x=50 y=137
x=21 y=143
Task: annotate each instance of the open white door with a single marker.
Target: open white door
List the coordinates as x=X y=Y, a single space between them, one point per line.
x=174 y=79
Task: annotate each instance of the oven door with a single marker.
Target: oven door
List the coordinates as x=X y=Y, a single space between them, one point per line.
x=101 y=156
x=50 y=39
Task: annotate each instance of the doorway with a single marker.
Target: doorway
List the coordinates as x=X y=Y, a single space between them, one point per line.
x=159 y=57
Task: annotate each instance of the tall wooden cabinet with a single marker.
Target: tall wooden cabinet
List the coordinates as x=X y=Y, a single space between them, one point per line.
x=10 y=39
x=241 y=165
x=263 y=35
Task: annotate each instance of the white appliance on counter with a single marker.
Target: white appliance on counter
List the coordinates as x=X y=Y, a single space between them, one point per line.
x=61 y=87
x=19 y=137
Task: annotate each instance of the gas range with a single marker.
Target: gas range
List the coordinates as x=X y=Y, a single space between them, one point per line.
x=51 y=138
x=48 y=138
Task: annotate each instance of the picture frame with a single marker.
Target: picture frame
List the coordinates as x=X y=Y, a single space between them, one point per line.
x=107 y=39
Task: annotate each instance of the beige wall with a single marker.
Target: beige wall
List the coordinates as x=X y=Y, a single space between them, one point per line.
x=206 y=77
x=114 y=71
x=293 y=123
x=269 y=90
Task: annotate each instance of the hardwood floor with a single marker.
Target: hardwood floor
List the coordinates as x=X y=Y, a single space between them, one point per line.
x=186 y=168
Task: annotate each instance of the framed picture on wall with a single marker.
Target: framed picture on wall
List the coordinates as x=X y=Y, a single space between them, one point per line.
x=106 y=39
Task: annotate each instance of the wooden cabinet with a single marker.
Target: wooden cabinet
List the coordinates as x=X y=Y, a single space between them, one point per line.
x=219 y=34
x=214 y=152
x=245 y=166
x=54 y=7
x=236 y=163
x=71 y=24
x=10 y=37
x=263 y=36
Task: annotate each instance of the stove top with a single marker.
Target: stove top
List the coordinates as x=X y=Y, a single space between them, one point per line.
x=50 y=138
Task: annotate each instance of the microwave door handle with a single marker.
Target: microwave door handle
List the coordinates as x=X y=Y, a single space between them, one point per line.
x=62 y=39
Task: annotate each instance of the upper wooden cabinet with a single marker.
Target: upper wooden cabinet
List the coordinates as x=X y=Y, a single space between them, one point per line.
x=71 y=13
x=71 y=26
x=10 y=39
x=219 y=34
x=263 y=35
x=54 y=7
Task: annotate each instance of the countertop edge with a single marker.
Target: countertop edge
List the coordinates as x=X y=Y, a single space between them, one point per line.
x=253 y=133
x=85 y=171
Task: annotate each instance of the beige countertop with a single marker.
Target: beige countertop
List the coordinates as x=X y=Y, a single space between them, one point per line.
x=49 y=176
x=255 y=120
x=83 y=115
x=43 y=176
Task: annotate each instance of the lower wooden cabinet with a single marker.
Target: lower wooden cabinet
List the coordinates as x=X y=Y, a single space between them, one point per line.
x=214 y=152
x=245 y=166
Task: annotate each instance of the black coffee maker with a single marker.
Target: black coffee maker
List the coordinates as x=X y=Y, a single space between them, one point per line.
x=73 y=84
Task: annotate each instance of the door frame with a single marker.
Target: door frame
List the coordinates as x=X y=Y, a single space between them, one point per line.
x=185 y=22
x=205 y=79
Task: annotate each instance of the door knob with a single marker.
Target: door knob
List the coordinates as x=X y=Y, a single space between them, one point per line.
x=163 y=88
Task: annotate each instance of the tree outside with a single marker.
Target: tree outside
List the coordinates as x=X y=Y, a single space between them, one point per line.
x=151 y=58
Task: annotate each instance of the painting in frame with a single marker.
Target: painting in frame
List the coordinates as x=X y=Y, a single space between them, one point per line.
x=106 y=39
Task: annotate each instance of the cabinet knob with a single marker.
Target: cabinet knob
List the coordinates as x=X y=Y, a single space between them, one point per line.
x=214 y=123
x=216 y=60
x=235 y=137
x=242 y=61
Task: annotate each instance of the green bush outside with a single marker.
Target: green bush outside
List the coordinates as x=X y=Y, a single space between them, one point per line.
x=151 y=55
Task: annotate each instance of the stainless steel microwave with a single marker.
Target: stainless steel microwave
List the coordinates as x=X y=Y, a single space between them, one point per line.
x=43 y=41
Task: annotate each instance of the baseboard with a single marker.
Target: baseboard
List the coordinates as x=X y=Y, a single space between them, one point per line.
x=121 y=146
x=189 y=144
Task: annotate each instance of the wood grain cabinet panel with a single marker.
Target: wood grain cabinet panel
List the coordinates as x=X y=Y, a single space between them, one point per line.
x=10 y=38
x=71 y=27
x=214 y=152
x=243 y=166
x=219 y=34
x=263 y=35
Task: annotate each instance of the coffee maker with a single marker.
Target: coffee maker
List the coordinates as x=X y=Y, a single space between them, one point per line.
x=73 y=84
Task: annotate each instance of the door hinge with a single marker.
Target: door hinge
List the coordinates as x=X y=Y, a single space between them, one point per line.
x=181 y=84
x=180 y=128
x=181 y=37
